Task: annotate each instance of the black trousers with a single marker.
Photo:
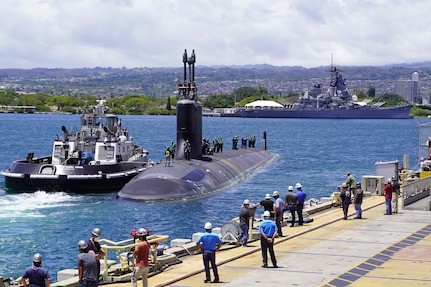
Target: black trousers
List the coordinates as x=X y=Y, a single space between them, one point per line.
x=278 y=220
x=267 y=246
x=208 y=257
x=299 y=208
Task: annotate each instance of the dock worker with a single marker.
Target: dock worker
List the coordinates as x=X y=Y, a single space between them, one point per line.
x=208 y=243
x=357 y=201
x=268 y=231
x=345 y=198
x=141 y=254
x=387 y=192
x=268 y=205
x=88 y=275
x=395 y=194
x=278 y=211
x=290 y=201
x=36 y=275
x=301 y=199
x=350 y=182
x=94 y=246
x=244 y=221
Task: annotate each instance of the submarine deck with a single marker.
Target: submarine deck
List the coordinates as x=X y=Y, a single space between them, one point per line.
x=379 y=250
x=194 y=178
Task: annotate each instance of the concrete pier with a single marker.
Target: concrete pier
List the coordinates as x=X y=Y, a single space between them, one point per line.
x=378 y=250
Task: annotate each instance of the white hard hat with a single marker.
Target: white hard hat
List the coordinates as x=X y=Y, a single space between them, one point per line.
x=142 y=232
x=275 y=193
x=37 y=258
x=267 y=196
x=208 y=225
x=298 y=185
x=266 y=214
x=389 y=179
x=290 y=187
x=246 y=201
x=82 y=244
x=96 y=232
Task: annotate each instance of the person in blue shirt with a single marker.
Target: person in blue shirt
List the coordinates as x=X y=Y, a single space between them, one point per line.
x=208 y=243
x=268 y=231
x=301 y=199
x=37 y=275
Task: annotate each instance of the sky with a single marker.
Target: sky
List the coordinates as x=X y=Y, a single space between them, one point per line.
x=143 y=33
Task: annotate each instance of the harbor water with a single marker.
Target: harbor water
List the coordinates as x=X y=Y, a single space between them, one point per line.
x=315 y=152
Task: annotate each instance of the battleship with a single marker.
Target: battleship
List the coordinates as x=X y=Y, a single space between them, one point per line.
x=336 y=103
x=193 y=173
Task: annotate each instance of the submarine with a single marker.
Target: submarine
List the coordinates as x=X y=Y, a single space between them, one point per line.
x=194 y=173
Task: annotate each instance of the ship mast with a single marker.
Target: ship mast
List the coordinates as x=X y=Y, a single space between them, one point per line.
x=187 y=89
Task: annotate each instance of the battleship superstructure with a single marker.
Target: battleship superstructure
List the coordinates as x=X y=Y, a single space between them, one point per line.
x=336 y=103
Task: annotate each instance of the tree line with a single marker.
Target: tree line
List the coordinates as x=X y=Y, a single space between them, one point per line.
x=151 y=105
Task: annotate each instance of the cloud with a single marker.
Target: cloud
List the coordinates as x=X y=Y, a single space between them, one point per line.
x=143 y=33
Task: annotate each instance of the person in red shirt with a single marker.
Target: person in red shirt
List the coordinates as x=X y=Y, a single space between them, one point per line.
x=387 y=192
x=141 y=255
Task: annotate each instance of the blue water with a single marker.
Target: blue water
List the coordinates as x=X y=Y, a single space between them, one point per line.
x=314 y=152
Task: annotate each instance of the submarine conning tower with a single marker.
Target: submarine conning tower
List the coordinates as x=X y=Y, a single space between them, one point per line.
x=189 y=111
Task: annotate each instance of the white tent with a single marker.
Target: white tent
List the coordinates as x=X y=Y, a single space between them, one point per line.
x=260 y=104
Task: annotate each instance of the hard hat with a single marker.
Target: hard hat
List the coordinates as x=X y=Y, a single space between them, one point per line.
x=142 y=232
x=348 y=172
x=246 y=201
x=267 y=196
x=290 y=187
x=37 y=258
x=96 y=232
x=389 y=179
x=266 y=214
x=208 y=225
x=275 y=193
x=82 y=245
x=298 y=185
x=393 y=178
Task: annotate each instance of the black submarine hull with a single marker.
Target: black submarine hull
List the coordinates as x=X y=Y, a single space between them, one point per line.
x=195 y=178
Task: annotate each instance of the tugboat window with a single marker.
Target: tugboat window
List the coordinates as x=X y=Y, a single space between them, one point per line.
x=110 y=152
x=57 y=150
x=106 y=152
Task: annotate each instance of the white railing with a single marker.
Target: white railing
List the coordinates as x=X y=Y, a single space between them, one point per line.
x=127 y=245
x=415 y=190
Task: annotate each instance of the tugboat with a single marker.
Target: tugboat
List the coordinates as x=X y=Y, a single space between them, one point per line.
x=97 y=158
